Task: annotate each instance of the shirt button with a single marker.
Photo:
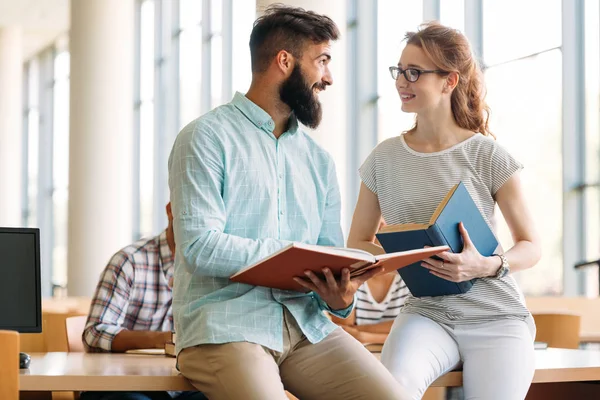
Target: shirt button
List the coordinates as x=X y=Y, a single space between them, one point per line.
x=280 y=176
x=281 y=212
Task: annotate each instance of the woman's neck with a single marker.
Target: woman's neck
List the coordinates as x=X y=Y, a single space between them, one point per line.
x=437 y=131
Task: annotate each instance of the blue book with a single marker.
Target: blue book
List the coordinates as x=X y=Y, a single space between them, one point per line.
x=442 y=230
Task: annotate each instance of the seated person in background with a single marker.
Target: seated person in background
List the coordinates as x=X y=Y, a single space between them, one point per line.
x=378 y=303
x=131 y=308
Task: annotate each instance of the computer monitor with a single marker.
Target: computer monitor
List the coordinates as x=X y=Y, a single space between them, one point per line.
x=20 y=286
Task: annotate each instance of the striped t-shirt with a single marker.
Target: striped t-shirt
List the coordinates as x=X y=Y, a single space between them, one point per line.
x=369 y=311
x=410 y=185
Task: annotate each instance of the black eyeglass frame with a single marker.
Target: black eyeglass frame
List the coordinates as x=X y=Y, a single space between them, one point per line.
x=394 y=70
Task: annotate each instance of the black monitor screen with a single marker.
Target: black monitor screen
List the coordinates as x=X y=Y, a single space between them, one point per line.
x=20 y=290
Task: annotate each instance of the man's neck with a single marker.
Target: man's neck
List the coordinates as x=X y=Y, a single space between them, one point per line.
x=265 y=95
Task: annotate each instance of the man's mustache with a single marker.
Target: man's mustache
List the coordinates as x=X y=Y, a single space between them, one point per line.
x=320 y=86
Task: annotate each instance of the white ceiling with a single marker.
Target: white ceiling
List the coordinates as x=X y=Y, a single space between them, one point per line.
x=42 y=21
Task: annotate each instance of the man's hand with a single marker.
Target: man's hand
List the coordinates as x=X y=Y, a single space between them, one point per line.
x=338 y=294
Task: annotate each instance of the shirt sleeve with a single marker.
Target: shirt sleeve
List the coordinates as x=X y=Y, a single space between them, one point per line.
x=503 y=166
x=345 y=313
x=367 y=172
x=109 y=305
x=331 y=229
x=196 y=176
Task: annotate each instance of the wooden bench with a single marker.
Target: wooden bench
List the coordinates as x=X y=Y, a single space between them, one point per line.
x=556 y=370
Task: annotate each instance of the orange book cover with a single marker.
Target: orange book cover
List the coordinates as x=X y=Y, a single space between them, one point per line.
x=278 y=270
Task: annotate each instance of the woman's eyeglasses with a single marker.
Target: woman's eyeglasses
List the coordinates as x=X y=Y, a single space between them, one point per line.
x=412 y=74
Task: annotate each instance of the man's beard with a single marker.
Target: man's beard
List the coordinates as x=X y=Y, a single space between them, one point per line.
x=301 y=98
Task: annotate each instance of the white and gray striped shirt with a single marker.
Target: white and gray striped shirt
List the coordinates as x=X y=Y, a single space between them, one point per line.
x=369 y=311
x=410 y=185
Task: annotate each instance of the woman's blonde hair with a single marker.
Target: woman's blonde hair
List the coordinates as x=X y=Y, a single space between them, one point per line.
x=450 y=51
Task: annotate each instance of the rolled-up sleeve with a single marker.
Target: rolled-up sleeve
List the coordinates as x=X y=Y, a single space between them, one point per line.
x=109 y=305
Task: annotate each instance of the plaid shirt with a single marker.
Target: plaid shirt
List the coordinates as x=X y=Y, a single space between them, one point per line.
x=133 y=294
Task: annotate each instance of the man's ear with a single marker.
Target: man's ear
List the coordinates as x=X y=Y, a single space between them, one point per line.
x=285 y=62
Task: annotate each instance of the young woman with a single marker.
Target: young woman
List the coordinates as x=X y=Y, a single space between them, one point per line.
x=488 y=329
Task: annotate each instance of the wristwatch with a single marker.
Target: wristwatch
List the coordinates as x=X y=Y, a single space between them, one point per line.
x=504 y=267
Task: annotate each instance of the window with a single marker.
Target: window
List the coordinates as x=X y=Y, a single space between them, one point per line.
x=46 y=170
x=521 y=127
x=185 y=61
x=524 y=82
x=146 y=112
x=60 y=168
x=190 y=60
x=395 y=18
x=592 y=144
x=244 y=13
x=522 y=38
x=31 y=134
x=452 y=13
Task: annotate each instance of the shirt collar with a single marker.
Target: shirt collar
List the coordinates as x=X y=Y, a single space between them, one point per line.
x=258 y=116
x=166 y=257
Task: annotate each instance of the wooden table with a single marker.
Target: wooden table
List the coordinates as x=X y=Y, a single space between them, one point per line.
x=82 y=371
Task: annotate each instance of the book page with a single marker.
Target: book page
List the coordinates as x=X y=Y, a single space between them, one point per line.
x=409 y=252
x=403 y=228
x=354 y=253
x=340 y=251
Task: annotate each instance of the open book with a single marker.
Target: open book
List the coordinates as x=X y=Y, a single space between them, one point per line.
x=442 y=230
x=278 y=270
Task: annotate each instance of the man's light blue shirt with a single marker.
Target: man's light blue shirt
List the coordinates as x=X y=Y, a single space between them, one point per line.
x=239 y=194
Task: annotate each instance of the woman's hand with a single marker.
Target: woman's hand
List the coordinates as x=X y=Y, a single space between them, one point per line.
x=464 y=266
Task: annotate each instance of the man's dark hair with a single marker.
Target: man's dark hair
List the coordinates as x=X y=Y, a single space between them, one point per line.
x=287 y=28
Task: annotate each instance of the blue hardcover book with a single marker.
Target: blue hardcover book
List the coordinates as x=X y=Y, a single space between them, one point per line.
x=442 y=229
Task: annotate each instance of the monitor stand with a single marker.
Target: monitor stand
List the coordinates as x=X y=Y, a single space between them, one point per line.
x=24 y=360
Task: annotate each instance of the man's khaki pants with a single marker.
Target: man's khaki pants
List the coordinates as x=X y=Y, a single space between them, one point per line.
x=338 y=367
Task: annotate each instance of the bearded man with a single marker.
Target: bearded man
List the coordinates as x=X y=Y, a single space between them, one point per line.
x=245 y=181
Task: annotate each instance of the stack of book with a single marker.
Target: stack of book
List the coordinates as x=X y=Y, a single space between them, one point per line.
x=170 y=346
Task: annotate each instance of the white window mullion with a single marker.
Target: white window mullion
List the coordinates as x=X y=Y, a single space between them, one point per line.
x=573 y=104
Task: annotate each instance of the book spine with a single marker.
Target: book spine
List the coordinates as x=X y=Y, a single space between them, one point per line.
x=436 y=236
